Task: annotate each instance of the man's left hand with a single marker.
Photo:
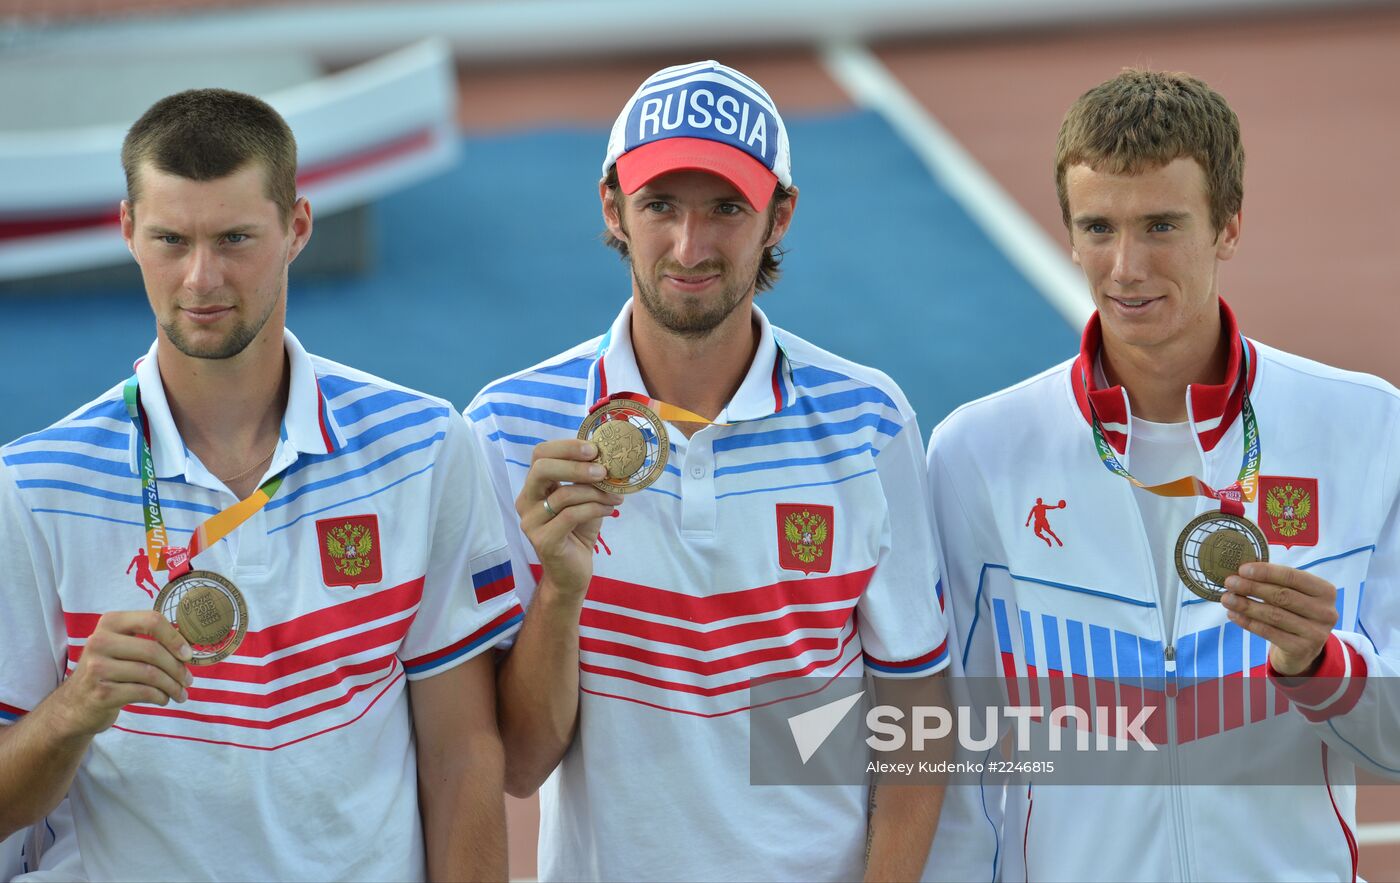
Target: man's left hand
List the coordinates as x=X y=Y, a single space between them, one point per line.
x=1291 y=609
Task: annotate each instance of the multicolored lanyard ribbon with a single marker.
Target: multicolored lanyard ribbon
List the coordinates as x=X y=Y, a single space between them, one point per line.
x=1231 y=498
x=668 y=412
x=175 y=558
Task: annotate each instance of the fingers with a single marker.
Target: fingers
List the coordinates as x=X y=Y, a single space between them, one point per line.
x=114 y=654
x=149 y=623
x=573 y=505
x=1296 y=635
x=555 y=463
x=1312 y=602
x=1290 y=577
x=564 y=449
x=151 y=683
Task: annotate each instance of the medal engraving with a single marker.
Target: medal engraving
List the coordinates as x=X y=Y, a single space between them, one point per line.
x=632 y=444
x=209 y=611
x=1223 y=552
x=1214 y=546
x=621 y=448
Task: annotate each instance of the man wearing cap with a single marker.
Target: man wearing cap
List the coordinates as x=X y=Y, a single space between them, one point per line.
x=1266 y=484
x=784 y=534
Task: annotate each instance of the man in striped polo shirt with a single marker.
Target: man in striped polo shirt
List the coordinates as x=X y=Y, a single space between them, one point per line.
x=309 y=699
x=785 y=536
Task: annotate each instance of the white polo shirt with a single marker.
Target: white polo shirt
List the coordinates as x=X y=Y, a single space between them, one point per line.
x=696 y=591
x=293 y=758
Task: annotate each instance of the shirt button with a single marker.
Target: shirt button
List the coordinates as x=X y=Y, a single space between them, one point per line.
x=697 y=472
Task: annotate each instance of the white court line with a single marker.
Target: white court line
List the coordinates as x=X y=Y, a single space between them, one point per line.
x=1377 y=833
x=1025 y=244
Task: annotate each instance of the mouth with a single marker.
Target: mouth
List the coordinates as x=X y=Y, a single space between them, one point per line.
x=1131 y=305
x=691 y=282
x=206 y=315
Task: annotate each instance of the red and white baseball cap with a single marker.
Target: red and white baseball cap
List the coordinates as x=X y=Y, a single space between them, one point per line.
x=702 y=117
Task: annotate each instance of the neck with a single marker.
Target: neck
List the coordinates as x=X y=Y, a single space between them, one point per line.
x=228 y=411
x=698 y=374
x=1156 y=377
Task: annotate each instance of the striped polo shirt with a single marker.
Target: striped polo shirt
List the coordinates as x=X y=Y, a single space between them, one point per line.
x=379 y=560
x=792 y=542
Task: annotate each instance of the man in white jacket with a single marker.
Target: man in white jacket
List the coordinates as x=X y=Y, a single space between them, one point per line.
x=1183 y=455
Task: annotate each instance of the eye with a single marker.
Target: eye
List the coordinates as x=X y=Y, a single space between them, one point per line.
x=236 y=238
x=169 y=239
x=729 y=208
x=1096 y=229
x=1162 y=227
x=655 y=205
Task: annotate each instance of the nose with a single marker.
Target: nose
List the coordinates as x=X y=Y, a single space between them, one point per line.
x=203 y=273
x=693 y=240
x=1129 y=261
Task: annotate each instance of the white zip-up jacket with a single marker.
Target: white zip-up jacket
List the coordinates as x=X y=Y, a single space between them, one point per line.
x=1020 y=606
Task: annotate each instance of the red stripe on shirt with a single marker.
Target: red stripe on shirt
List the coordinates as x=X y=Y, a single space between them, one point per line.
x=292 y=691
x=714 y=639
x=716 y=690
x=729 y=711
x=177 y=712
x=315 y=624
x=496 y=623
x=329 y=729
x=710 y=667
x=912 y=663
x=726 y=605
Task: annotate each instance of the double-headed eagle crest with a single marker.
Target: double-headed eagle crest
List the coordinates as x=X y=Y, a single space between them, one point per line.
x=1289 y=507
x=806 y=533
x=349 y=547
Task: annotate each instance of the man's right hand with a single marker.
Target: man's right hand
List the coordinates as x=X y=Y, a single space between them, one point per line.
x=561 y=473
x=132 y=656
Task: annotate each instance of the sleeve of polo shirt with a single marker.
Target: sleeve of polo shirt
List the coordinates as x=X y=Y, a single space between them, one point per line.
x=33 y=640
x=1353 y=698
x=483 y=425
x=469 y=602
x=900 y=614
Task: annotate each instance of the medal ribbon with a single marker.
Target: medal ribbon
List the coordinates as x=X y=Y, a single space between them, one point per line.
x=668 y=412
x=214 y=528
x=1231 y=498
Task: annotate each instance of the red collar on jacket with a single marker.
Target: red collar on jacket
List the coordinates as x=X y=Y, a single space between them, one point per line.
x=1212 y=407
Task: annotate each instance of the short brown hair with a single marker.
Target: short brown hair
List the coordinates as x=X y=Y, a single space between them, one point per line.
x=1142 y=120
x=768 y=269
x=207 y=134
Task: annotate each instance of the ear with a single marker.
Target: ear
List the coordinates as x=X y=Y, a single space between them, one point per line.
x=300 y=227
x=612 y=214
x=128 y=219
x=1228 y=241
x=782 y=218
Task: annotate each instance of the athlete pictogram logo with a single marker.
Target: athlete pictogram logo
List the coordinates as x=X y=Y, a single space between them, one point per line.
x=142 y=563
x=604 y=543
x=1042 y=524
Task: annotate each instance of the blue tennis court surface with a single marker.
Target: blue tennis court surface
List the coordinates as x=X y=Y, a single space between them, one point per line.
x=497 y=265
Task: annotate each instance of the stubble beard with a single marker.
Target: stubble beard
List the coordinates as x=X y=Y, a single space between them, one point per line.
x=234 y=342
x=708 y=313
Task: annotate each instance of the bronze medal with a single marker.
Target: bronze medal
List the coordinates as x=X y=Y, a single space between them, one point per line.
x=632 y=444
x=209 y=612
x=1215 y=545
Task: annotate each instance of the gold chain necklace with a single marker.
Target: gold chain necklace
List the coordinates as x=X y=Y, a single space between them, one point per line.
x=265 y=458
